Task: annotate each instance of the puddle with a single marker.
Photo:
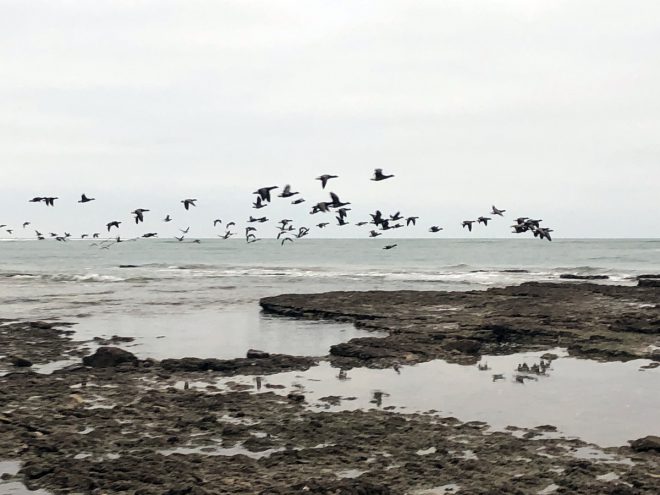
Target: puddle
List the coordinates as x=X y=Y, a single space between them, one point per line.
x=439 y=490
x=225 y=334
x=575 y=395
x=216 y=450
x=350 y=473
x=594 y=454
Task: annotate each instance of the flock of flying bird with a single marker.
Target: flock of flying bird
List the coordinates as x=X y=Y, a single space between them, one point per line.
x=287 y=232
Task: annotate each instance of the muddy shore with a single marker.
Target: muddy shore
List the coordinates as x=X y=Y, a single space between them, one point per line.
x=171 y=427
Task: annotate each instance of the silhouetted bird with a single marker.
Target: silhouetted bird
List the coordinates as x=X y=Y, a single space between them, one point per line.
x=390 y=246
x=112 y=224
x=322 y=225
x=38 y=199
x=483 y=220
x=187 y=203
x=336 y=202
x=185 y=231
x=435 y=229
x=373 y=233
x=468 y=224
x=412 y=220
x=325 y=178
x=50 y=201
x=25 y=224
x=216 y=222
x=286 y=193
x=258 y=203
x=496 y=211
x=298 y=201
x=139 y=215
x=85 y=199
x=167 y=219
x=264 y=192
x=378 y=175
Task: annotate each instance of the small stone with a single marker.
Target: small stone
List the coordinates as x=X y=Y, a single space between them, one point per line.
x=20 y=362
x=256 y=354
x=296 y=397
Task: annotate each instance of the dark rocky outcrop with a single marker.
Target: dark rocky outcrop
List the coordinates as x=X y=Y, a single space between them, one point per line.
x=646 y=444
x=573 y=276
x=274 y=363
x=109 y=357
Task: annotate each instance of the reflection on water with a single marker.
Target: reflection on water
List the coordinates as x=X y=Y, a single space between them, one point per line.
x=604 y=403
x=222 y=334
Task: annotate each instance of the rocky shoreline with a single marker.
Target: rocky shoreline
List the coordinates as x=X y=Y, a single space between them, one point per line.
x=112 y=423
x=604 y=322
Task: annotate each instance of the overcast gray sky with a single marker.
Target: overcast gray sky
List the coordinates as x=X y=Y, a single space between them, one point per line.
x=550 y=109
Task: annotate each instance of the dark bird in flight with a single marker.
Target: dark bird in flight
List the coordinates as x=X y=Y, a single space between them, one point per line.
x=286 y=239
x=67 y=235
x=341 y=222
x=112 y=224
x=325 y=178
x=496 y=211
x=25 y=224
x=230 y=224
x=373 y=233
x=95 y=235
x=38 y=233
x=378 y=175
x=286 y=193
x=258 y=203
x=216 y=222
x=85 y=199
x=396 y=216
x=149 y=235
x=412 y=220
x=302 y=232
x=542 y=232
x=468 y=224
x=38 y=199
x=336 y=202
x=343 y=212
x=180 y=239
x=227 y=235
x=84 y=236
x=167 y=219
x=360 y=224
x=50 y=201
x=435 y=229
x=322 y=206
x=196 y=241
x=139 y=214
x=250 y=229
x=322 y=225
x=264 y=192
x=187 y=203
x=9 y=231
x=390 y=246
x=483 y=220
x=185 y=231
x=376 y=218
x=298 y=201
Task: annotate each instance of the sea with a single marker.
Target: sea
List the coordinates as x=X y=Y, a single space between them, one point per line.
x=183 y=299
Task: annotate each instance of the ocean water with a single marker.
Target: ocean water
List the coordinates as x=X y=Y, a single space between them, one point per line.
x=202 y=299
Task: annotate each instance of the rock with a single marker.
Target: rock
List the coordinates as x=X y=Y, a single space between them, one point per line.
x=20 y=362
x=255 y=354
x=465 y=346
x=572 y=276
x=108 y=357
x=549 y=356
x=646 y=444
x=296 y=397
x=648 y=276
x=648 y=282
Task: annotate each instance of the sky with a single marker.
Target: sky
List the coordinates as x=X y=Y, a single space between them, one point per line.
x=548 y=109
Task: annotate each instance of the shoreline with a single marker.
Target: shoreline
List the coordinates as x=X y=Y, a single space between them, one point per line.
x=185 y=426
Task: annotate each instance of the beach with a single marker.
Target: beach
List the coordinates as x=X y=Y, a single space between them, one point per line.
x=278 y=423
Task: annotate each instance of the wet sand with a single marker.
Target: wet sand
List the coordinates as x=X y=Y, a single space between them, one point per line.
x=211 y=426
